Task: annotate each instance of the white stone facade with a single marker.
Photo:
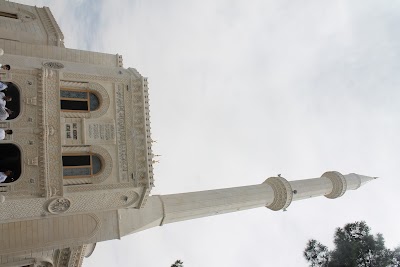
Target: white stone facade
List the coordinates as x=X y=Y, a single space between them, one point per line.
x=46 y=218
x=55 y=212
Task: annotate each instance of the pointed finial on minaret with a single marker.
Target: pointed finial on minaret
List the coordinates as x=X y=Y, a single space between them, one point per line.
x=354 y=181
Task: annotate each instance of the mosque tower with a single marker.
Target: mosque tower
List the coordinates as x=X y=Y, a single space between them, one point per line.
x=81 y=152
x=276 y=193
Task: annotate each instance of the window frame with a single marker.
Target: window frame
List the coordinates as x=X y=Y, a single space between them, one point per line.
x=90 y=166
x=87 y=100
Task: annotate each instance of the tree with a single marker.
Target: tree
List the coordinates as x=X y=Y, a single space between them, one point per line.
x=354 y=247
x=316 y=254
x=178 y=263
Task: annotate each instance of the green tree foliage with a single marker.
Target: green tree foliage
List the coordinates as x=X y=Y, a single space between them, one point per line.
x=178 y=263
x=354 y=247
x=316 y=254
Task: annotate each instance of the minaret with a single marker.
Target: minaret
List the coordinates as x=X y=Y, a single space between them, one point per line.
x=276 y=193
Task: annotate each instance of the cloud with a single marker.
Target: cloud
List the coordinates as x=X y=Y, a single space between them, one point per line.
x=243 y=91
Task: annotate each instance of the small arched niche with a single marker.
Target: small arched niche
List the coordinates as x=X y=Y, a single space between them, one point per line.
x=10 y=159
x=12 y=91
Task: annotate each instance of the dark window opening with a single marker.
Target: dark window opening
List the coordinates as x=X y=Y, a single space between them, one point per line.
x=76 y=100
x=8 y=15
x=80 y=165
x=76 y=160
x=14 y=105
x=74 y=105
x=10 y=159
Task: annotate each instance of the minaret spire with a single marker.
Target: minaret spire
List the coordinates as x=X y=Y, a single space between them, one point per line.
x=276 y=193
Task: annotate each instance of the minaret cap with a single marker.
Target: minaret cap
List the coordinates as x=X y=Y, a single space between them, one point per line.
x=355 y=181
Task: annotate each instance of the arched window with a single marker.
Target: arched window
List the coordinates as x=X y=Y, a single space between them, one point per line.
x=10 y=159
x=75 y=100
x=13 y=105
x=80 y=165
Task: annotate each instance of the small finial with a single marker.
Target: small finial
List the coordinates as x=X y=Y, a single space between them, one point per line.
x=279 y=175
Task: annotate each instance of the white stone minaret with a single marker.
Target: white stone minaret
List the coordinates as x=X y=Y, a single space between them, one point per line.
x=275 y=193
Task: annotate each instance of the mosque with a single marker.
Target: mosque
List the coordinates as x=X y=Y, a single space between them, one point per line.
x=80 y=152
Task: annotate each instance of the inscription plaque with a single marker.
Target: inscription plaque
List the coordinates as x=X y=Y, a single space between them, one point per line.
x=103 y=132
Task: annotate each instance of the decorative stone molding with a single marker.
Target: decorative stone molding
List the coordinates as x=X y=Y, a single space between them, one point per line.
x=31 y=100
x=81 y=202
x=89 y=77
x=25 y=16
x=53 y=65
x=84 y=115
x=103 y=97
x=62 y=257
x=50 y=149
x=4 y=124
x=134 y=73
x=283 y=193
x=59 y=205
x=43 y=264
x=77 y=255
x=103 y=201
x=32 y=161
x=75 y=149
x=20 y=62
x=142 y=134
x=55 y=36
x=339 y=184
x=107 y=164
x=91 y=187
x=121 y=129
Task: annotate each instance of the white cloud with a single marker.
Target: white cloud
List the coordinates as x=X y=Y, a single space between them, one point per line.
x=243 y=91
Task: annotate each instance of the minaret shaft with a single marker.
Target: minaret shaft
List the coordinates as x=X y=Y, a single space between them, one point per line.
x=311 y=188
x=275 y=193
x=193 y=205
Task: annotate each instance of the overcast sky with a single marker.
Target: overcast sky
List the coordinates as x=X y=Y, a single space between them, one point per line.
x=244 y=90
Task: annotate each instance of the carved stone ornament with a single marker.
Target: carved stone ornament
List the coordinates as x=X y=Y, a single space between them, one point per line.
x=339 y=184
x=53 y=65
x=59 y=205
x=283 y=193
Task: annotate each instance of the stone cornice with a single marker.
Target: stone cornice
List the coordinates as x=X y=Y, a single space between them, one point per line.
x=339 y=184
x=283 y=193
x=55 y=36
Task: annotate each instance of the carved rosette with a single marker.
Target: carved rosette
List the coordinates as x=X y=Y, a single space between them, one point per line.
x=339 y=184
x=53 y=65
x=59 y=205
x=283 y=193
